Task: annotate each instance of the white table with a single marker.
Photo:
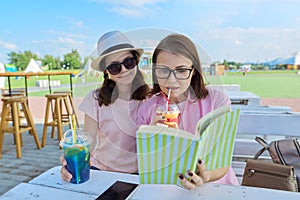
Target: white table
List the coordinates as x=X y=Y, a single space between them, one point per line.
x=50 y=186
x=36 y=192
x=243 y=97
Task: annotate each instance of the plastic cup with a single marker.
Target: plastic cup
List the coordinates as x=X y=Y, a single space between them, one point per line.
x=170 y=117
x=77 y=155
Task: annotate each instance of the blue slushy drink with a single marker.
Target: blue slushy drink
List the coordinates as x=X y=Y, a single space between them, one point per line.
x=77 y=155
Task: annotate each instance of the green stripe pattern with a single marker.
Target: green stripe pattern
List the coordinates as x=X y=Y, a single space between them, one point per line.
x=162 y=156
x=217 y=141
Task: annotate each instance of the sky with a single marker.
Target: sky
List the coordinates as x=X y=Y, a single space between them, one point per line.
x=232 y=30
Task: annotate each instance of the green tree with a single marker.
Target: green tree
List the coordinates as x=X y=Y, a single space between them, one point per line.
x=50 y=61
x=13 y=57
x=226 y=65
x=21 y=60
x=72 y=60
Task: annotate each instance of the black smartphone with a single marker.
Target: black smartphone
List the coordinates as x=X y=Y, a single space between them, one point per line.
x=118 y=191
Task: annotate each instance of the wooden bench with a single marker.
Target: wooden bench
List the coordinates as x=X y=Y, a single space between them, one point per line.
x=270 y=123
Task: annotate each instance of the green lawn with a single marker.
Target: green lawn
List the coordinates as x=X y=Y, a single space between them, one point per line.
x=264 y=85
x=274 y=84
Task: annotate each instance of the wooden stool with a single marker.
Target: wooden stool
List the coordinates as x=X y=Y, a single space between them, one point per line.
x=58 y=121
x=14 y=103
x=15 y=92
x=71 y=101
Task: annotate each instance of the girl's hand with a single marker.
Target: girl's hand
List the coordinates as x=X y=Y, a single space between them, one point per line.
x=196 y=179
x=64 y=173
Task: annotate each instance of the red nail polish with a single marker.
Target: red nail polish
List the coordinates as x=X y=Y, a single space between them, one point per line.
x=199 y=162
x=190 y=173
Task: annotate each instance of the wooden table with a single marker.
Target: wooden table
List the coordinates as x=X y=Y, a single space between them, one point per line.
x=48 y=74
x=49 y=185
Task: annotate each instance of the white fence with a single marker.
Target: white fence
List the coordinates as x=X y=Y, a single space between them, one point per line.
x=45 y=83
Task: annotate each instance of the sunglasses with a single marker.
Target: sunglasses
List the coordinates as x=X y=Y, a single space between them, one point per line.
x=116 y=67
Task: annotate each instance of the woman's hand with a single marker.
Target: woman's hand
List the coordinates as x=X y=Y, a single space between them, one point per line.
x=202 y=176
x=196 y=179
x=64 y=173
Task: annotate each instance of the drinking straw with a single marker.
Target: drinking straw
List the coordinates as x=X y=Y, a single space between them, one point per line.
x=167 y=99
x=74 y=136
x=168 y=102
x=77 y=171
x=73 y=128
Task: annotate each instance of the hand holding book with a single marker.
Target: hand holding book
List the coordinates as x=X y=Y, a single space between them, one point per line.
x=165 y=152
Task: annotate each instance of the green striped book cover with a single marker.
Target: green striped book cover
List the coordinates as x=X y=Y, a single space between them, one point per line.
x=164 y=152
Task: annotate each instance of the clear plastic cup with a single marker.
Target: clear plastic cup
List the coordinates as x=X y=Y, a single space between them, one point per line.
x=77 y=155
x=168 y=116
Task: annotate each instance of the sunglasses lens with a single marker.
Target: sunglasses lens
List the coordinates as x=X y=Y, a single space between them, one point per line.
x=114 y=69
x=130 y=63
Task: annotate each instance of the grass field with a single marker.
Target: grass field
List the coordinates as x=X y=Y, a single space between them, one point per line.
x=275 y=84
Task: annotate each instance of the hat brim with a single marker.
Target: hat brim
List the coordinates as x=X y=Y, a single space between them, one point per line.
x=95 y=63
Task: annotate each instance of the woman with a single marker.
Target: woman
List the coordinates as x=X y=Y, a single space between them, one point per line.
x=110 y=111
x=177 y=68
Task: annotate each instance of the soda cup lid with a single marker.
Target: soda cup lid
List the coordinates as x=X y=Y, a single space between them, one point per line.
x=82 y=138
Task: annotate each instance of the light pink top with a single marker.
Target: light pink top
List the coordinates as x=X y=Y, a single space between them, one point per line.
x=191 y=111
x=116 y=143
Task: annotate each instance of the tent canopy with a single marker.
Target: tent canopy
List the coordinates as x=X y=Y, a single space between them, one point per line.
x=33 y=67
x=291 y=60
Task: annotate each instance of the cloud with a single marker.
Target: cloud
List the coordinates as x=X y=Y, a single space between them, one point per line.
x=66 y=34
x=135 y=13
x=7 y=45
x=249 y=44
x=62 y=45
x=237 y=42
x=129 y=3
x=78 y=24
x=69 y=41
x=132 y=8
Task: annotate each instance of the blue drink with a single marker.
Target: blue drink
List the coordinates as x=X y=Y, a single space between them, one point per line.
x=77 y=156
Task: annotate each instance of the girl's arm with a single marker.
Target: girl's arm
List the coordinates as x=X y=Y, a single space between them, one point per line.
x=91 y=126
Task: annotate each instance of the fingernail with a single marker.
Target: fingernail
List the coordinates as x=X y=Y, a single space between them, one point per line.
x=199 y=162
x=180 y=176
x=190 y=173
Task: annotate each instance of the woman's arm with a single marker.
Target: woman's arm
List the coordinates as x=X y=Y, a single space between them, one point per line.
x=91 y=126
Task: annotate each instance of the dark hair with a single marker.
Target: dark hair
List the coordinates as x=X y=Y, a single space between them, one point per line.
x=181 y=45
x=107 y=94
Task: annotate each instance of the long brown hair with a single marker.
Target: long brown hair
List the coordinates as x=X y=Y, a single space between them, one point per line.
x=107 y=94
x=181 y=45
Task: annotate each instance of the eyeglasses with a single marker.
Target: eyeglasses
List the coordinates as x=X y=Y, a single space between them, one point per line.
x=116 y=67
x=180 y=73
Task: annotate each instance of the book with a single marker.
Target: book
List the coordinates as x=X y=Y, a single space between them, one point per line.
x=163 y=152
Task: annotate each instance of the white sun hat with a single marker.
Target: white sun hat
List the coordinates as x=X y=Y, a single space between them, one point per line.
x=112 y=42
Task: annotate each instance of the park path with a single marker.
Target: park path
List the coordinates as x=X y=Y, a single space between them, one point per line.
x=293 y=103
x=37 y=106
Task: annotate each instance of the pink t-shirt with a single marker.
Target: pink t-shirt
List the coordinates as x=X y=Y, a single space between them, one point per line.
x=115 y=149
x=191 y=111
